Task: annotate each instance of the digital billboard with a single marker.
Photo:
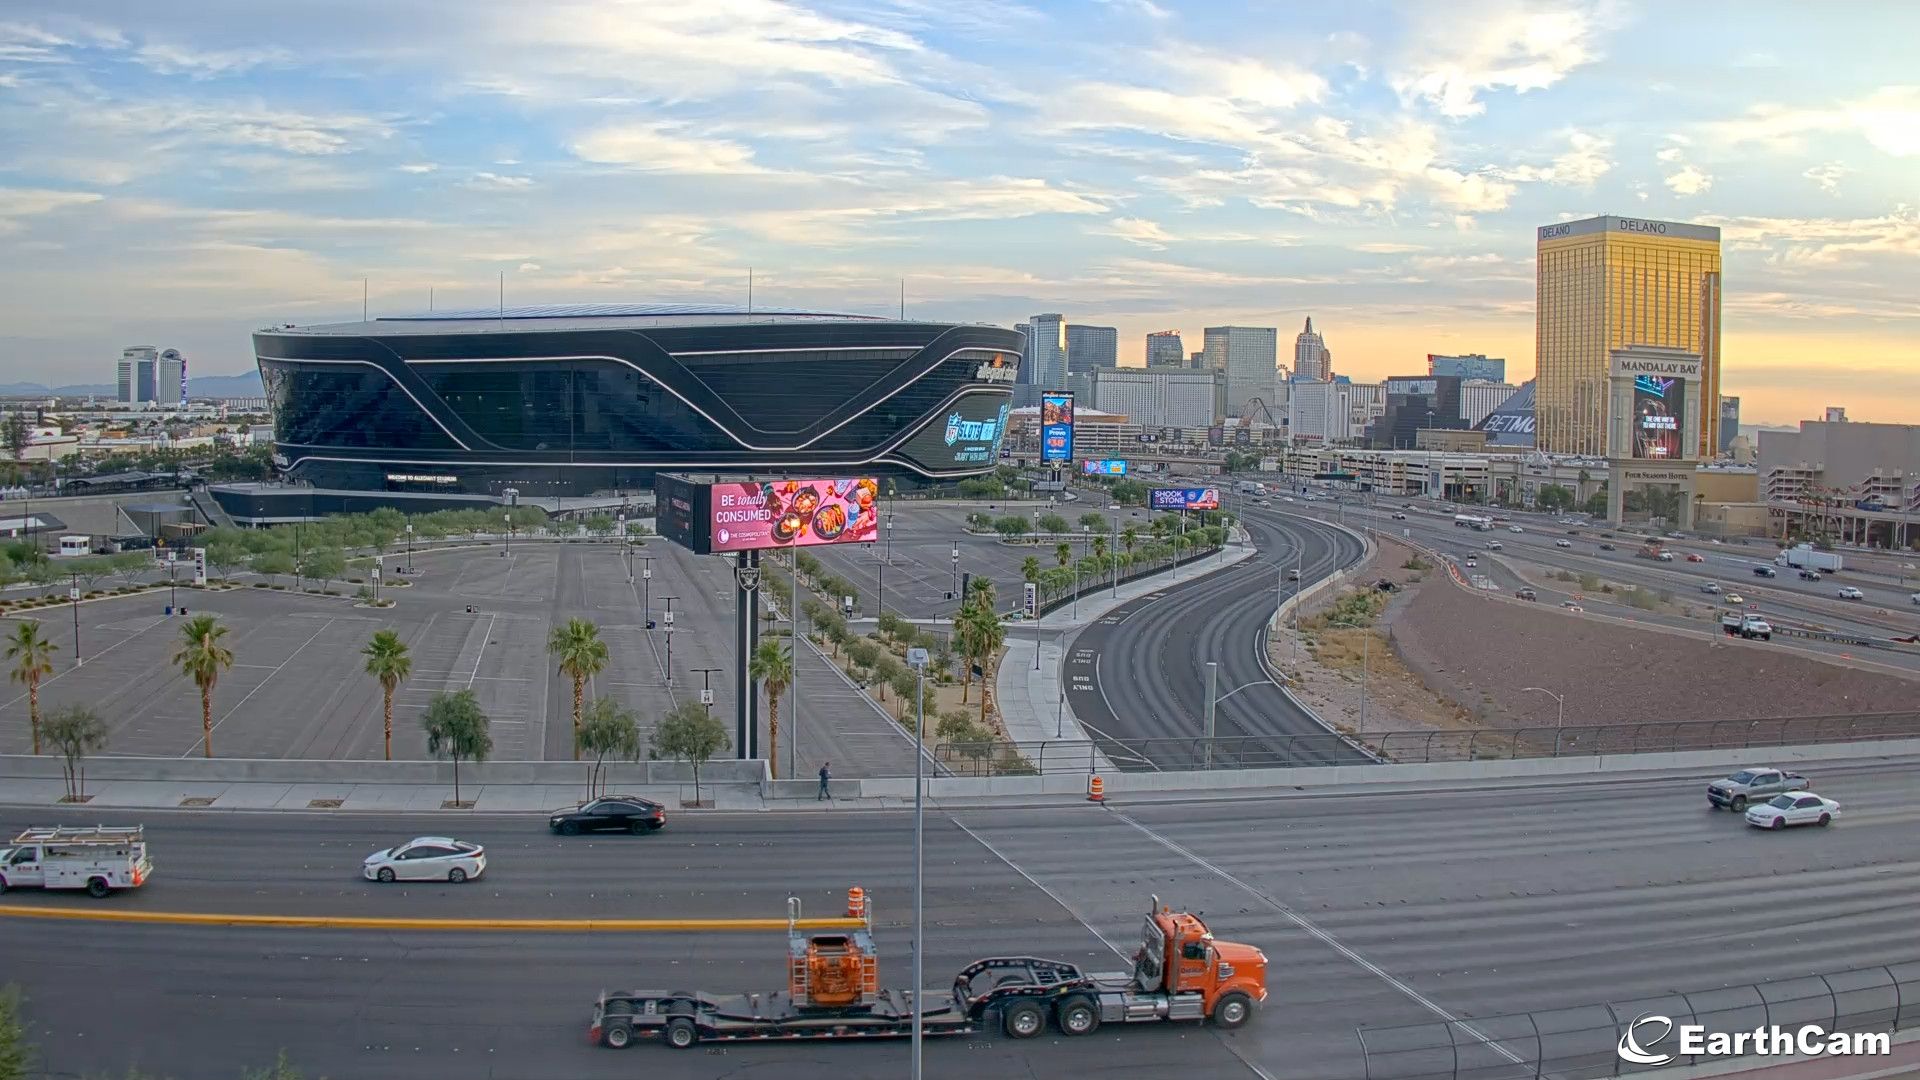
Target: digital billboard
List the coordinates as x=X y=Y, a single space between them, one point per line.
x=1107 y=467
x=793 y=513
x=1184 y=499
x=1657 y=408
x=969 y=434
x=1056 y=426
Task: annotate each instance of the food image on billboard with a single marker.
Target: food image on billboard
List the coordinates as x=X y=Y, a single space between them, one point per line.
x=794 y=513
x=1184 y=499
x=1657 y=406
x=1056 y=426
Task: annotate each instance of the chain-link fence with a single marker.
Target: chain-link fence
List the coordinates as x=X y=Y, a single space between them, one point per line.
x=996 y=758
x=1590 y=1041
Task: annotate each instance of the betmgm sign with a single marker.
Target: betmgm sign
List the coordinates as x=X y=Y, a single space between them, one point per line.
x=1653 y=431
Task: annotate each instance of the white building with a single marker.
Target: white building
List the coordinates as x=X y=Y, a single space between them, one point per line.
x=1311 y=359
x=1249 y=355
x=1479 y=397
x=170 y=382
x=1321 y=411
x=1161 y=397
x=1047 y=350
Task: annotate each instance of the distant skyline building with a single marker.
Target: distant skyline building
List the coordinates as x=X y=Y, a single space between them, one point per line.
x=1249 y=355
x=1320 y=410
x=1089 y=347
x=138 y=375
x=1469 y=366
x=1480 y=397
x=1729 y=422
x=171 y=378
x=1047 y=350
x=1417 y=403
x=1196 y=358
x=1610 y=283
x=1311 y=360
x=1165 y=349
x=1161 y=396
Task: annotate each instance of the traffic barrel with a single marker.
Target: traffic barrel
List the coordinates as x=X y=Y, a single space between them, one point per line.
x=856 y=903
x=1096 y=789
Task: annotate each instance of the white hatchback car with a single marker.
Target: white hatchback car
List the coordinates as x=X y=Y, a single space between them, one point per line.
x=1848 y=592
x=1563 y=543
x=427 y=858
x=1793 y=808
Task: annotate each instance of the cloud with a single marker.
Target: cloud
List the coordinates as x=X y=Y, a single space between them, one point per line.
x=1138 y=7
x=173 y=59
x=1828 y=176
x=664 y=147
x=487 y=181
x=1888 y=118
x=1791 y=242
x=1388 y=248
x=418 y=168
x=16 y=203
x=1690 y=180
x=1458 y=51
x=1139 y=231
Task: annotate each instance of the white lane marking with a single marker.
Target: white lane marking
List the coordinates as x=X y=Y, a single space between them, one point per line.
x=484 y=638
x=1064 y=906
x=1323 y=936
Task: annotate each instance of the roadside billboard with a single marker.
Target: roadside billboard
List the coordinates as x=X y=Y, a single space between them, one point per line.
x=1184 y=499
x=1107 y=467
x=1056 y=426
x=1657 y=406
x=709 y=519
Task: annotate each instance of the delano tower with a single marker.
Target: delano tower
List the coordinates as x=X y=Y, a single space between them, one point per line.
x=1609 y=283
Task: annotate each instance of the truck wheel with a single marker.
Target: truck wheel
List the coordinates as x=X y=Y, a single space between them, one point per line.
x=681 y=1034
x=619 y=1034
x=1077 y=1016
x=1232 y=1010
x=1739 y=804
x=1023 y=1019
x=98 y=888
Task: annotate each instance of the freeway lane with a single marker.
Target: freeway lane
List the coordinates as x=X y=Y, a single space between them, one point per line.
x=1140 y=672
x=1477 y=902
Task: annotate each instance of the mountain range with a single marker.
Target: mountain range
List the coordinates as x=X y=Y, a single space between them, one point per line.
x=245 y=384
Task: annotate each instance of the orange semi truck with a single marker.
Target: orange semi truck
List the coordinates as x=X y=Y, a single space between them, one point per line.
x=833 y=991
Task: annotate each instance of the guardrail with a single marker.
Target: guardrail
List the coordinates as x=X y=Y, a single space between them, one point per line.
x=1004 y=758
x=1582 y=1043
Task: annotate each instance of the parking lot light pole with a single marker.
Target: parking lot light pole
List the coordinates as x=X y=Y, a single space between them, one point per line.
x=172 y=604
x=917 y=660
x=1560 y=720
x=1113 y=553
x=509 y=551
x=409 y=547
x=73 y=594
x=668 y=630
x=646 y=588
x=706 y=690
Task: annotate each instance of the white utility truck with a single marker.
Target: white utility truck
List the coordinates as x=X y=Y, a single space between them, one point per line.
x=99 y=859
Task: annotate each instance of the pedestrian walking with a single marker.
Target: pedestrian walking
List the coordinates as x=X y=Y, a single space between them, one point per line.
x=826 y=775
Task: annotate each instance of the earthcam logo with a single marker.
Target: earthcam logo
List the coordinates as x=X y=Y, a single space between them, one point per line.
x=1772 y=1040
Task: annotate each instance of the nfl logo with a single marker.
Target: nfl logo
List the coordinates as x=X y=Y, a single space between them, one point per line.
x=953 y=429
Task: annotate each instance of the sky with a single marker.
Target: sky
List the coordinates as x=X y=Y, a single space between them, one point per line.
x=179 y=174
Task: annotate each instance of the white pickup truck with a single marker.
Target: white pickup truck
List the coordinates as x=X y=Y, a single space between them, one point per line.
x=99 y=859
x=1746 y=626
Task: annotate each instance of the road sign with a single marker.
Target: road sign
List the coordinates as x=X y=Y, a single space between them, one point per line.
x=706 y=696
x=669 y=616
x=1031 y=605
x=199 y=566
x=376 y=573
x=73 y=592
x=647 y=573
x=846 y=604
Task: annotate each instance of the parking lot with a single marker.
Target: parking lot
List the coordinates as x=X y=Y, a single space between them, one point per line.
x=297 y=688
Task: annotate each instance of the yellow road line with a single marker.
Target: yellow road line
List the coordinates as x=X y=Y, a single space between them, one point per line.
x=334 y=922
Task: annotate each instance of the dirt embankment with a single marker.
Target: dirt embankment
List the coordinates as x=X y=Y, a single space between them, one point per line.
x=1483 y=652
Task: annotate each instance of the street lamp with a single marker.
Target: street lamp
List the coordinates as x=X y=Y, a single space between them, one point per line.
x=917 y=660
x=509 y=551
x=1560 y=720
x=172 y=604
x=668 y=630
x=646 y=588
x=1113 y=553
x=409 y=547
x=706 y=690
x=73 y=594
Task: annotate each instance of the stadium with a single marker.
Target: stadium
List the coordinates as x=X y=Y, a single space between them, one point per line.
x=582 y=399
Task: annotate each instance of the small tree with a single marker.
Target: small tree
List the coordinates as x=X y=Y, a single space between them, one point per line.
x=456 y=727
x=608 y=730
x=32 y=659
x=1010 y=525
x=225 y=558
x=1091 y=520
x=75 y=731
x=202 y=658
x=322 y=564
x=388 y=663
x=583 y=654
x=274 y=563
x=129 y=565
x=772 y=668
x=1053 y=523
x=906 y=683
x=691 y=734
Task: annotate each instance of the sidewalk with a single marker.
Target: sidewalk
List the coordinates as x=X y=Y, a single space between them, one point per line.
x=1033 y=703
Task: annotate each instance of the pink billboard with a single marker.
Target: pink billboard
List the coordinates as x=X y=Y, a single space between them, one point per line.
x=794 y=513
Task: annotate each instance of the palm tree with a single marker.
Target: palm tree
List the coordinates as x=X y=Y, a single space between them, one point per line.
x=1100 y=548
x=1030 y=569
x=582 y=656
x=32 y=657
x=388 y=662
x=202 y=658
x=981 y=635
x=772 y=667
x=1063 y=552
x=982 y=593
x=1129 y=536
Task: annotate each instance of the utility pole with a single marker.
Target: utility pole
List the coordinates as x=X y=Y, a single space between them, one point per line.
x=73 y=594
x=509 y=552
x=917 y=660
x=1213 y=704
x=956 y=573
x=1113 y=553
x=409 y=549
x=668 y=673
x=706 y=689
x=626 y=549
x=646 y=587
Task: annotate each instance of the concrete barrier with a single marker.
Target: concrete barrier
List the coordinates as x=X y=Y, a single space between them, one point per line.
x=296 y=771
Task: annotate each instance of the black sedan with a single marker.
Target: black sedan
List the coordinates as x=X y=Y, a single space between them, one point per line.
x=609 y=813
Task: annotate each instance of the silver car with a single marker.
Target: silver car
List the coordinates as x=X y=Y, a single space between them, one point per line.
x=427 y=858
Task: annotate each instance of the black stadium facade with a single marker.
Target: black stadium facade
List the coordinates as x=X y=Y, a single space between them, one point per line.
x=567 y=401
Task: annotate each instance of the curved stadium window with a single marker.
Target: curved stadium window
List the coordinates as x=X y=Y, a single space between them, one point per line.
x=346 y=405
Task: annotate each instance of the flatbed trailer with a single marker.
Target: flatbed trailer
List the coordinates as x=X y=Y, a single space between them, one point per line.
x=1180 y=973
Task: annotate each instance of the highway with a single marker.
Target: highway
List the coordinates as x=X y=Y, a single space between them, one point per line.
x=1376 y=909
x=1140 y=671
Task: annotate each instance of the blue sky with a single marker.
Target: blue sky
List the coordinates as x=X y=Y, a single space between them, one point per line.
x=177 y=174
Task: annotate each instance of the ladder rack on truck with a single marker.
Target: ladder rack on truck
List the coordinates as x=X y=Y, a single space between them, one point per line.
x=833 y=992
x=98 y=858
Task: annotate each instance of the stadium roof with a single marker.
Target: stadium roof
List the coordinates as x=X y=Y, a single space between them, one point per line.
x=573 y=317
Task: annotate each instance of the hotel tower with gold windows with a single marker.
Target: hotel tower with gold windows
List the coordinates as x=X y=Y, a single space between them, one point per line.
x=1609 y=283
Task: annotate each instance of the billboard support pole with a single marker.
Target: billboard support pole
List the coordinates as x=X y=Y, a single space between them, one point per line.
x=746 y=727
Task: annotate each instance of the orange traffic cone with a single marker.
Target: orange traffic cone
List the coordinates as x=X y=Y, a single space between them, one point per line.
x=1096 y=789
